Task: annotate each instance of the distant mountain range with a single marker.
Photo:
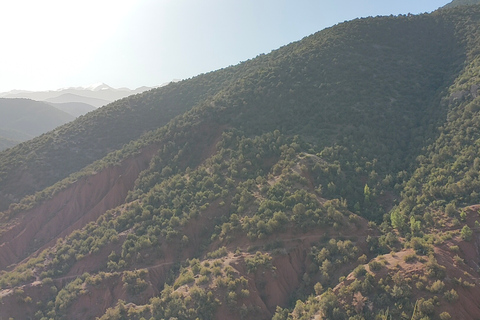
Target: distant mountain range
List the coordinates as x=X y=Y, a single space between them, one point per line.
x=76 y=109
x=96 y=95
x=27 y=114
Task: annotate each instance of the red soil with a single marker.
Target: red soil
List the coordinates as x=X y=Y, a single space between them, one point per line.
x=82 y=202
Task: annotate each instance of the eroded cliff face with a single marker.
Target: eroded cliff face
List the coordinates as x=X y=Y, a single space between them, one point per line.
x=71 y=209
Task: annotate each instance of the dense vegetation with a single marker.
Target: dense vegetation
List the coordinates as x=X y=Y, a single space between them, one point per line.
x=354 y=151
x=456 y=3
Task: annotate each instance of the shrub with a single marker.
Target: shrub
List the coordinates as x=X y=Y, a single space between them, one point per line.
x=451 y=295
x=466 y=233
x=426 y=306
x=434 y=269
x=202 y=280
x=410 y=257
x=258 y=260
x=375 y=265
x=437 y=286
x=362 y=259
x=359 y=271
x=186 y=276
x=454 y=248
x=221 y=252
x=458 y=260
x=134 y=281
x=450 y=209
x=420 y=285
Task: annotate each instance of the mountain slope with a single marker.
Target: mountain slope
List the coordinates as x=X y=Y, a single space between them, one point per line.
x=52 y=157
x=24 y=119
x=280 y=188
x=7 y=143
x=76 y=109
x=456 y=3
x=70 y=97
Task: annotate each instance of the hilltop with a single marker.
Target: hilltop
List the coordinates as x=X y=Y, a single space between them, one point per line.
x=334 y=178
x=456 y=3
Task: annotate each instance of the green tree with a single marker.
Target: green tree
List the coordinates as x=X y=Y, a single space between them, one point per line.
x=466 y=233
x=397 y=218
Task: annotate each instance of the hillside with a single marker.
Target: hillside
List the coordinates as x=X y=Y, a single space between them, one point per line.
x=23 y=119
x=456 y=3
x=333 y=178
x=76 y=109
x=7 y=143
x=70 y=97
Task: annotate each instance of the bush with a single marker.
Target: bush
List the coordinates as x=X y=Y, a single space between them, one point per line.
x=362 y=259
x=426 y=306
x=420 y=285
x=450 y=209
x=466 y=233
x=220 y=252
x=375 y=265
x=451 y=295
x=258 y=260
x=186 y=276
x=437 y=286
x=134 y=281
x=454 y=248
x=359 y=271
x=411 y=257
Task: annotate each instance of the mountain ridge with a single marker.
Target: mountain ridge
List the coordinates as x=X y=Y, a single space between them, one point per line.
x=456 y=3
x=101 y=94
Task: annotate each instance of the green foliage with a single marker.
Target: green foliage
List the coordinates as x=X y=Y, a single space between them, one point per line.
x=259 y=260
x=359 y=271
x=201 y=304
x=410 y=257
x=436 y=287
x=451 y=295
x=135 y=281
x=186 y=276
x=466 y=233
x=398 y=219
x=375 y=265
x=68 y=294
x=331 y=255
x=434 y=269
x=445 y=316
x=220 y=252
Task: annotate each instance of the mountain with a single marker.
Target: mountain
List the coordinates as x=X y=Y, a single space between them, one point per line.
x=333 y=178
x=456 y=3
x=7 y=143
x=76 y=109
x=96 y=95
x=75 y=98
x=23 y=119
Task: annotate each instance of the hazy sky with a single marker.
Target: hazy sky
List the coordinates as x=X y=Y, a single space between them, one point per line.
x=51 y=44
